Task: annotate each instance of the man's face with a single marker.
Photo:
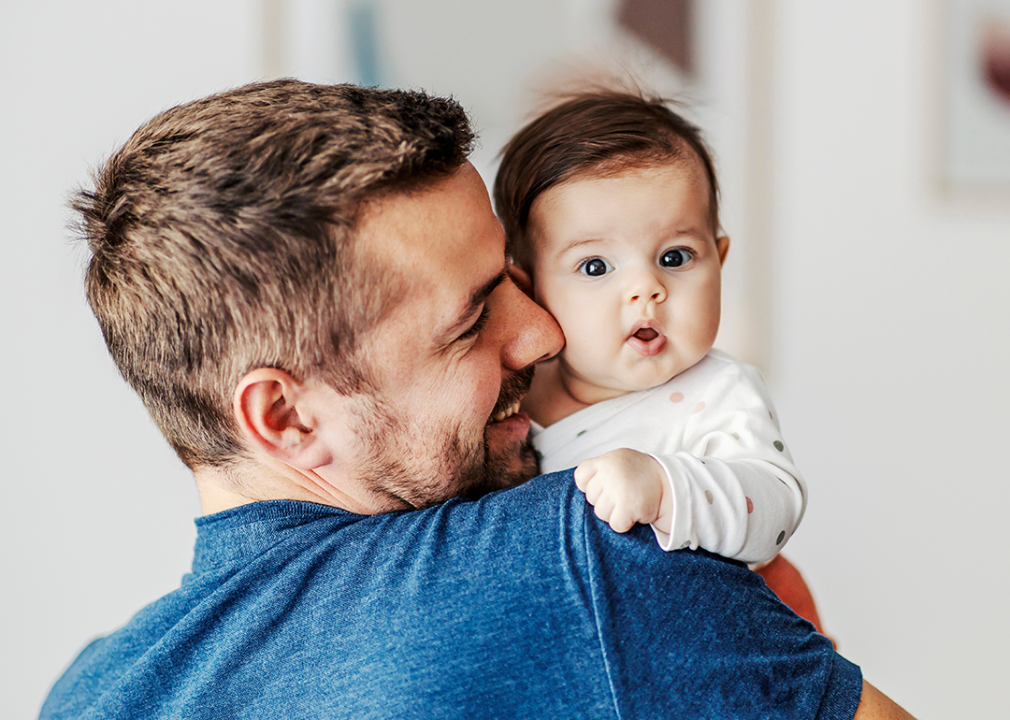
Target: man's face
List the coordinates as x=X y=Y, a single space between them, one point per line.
x=454 y=357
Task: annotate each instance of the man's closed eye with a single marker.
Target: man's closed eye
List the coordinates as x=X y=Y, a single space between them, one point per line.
x=475 y=329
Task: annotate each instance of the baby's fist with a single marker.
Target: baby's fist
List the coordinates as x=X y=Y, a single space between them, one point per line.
x=624 y=487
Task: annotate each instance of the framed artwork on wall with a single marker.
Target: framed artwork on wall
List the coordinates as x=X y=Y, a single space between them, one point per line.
x=973 y=148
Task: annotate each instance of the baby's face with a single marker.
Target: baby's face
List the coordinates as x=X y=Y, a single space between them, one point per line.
x=630 y=267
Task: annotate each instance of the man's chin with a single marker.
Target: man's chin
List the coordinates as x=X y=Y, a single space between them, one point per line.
x=504 y=469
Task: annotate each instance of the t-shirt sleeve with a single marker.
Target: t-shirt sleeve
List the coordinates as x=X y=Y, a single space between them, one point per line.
x=689 y=634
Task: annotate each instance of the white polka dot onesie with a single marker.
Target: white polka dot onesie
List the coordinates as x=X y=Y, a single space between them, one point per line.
x=735 y=489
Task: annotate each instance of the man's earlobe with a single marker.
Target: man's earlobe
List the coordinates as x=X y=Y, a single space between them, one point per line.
x=722 y=245
x=271 y=416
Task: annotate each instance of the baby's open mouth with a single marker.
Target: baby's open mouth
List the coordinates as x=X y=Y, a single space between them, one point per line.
x=647 y=341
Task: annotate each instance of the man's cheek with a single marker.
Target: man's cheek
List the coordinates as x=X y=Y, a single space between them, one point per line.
x=475 y=399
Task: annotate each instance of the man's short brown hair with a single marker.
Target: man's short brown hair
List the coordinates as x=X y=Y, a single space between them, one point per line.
x=597 y=132
x=222 y=240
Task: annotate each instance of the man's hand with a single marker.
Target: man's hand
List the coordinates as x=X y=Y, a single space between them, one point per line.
x=624 y=487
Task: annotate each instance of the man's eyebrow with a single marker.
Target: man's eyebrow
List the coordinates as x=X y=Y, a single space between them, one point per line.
x=477 y=297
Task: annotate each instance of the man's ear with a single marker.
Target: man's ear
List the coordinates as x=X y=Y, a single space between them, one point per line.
x=722 y=245
x=521 y=278
x=272 y=413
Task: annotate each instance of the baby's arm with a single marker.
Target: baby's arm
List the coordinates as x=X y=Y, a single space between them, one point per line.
x=740 y=494
x=744 y=509
x=727 y=485
x=692 y=502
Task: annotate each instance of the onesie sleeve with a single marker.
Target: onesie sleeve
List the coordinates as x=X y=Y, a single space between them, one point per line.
x=735 y=489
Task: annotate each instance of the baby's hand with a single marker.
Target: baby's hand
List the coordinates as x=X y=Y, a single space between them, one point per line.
x=624 y=487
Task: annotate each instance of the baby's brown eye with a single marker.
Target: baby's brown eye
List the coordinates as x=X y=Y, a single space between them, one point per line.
x=594 y=267
x=675 y=258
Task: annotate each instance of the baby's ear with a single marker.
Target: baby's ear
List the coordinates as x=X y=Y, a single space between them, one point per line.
x=521 y=278
x=722 y=245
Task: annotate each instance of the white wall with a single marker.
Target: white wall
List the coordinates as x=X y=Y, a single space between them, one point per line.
x=96 y=516
x=887 y=336
x=890 y=366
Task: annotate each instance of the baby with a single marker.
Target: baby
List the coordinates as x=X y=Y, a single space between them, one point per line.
x=610 y=205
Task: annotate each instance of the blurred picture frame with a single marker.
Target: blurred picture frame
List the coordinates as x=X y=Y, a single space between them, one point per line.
x=971 y=106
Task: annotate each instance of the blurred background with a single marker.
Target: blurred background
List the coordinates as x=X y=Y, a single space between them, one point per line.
x=864 y=154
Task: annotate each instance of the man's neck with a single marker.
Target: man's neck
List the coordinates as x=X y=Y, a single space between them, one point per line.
x=222 y=490
x=215 y=497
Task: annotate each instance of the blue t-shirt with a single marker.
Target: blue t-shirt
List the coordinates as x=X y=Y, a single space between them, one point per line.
x=520 y=605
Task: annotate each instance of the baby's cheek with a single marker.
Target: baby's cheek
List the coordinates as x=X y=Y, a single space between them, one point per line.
x=702 y=327
x=570 y=326
x=585 y=353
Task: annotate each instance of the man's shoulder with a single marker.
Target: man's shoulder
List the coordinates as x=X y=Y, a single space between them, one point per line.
x=455 y=606
x=547 y=494
x=531 y=516
x=550 y=509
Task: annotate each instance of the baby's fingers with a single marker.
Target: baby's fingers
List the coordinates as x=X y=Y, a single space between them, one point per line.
x=603 y=507
x=621 y=521
x=584 y=473
x=594 y=490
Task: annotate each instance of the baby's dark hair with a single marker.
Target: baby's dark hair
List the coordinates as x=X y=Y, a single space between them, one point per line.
x=597 y=133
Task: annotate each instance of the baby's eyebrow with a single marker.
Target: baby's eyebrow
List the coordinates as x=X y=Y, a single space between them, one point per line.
x=579 y=243
x=691 y=231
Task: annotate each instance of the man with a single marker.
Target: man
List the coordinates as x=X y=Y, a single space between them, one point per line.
x=308 y=288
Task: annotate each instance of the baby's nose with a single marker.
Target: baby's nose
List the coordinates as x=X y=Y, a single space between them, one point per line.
x=654 y=296
x=646 y=287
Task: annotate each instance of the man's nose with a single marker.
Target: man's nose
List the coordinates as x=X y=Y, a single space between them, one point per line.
x=535 y=334
x=644 y=285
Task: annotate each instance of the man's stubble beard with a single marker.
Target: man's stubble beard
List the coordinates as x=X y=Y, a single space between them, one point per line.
x=397 y=468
